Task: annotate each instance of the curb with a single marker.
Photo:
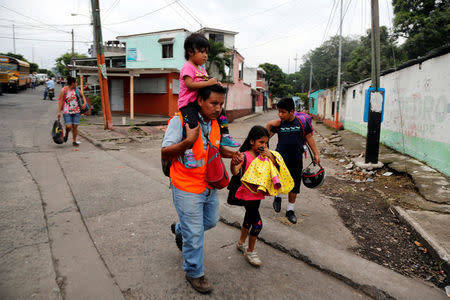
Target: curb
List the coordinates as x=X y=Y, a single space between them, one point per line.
x=436 y=250
x=372 y=279
x=91 y=140
x=244 y=118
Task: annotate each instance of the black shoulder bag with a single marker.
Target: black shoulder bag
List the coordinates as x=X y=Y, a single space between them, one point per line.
x=235 y=183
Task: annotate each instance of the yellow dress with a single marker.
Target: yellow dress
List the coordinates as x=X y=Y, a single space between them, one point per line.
x=264 y=176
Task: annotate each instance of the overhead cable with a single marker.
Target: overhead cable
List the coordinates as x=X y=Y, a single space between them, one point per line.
x=36 y=20
x=144 y=15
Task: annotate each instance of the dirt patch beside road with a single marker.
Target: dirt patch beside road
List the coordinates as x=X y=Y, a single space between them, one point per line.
x=382 y=237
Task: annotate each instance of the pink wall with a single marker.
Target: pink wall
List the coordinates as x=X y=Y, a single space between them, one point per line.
x=239 y=93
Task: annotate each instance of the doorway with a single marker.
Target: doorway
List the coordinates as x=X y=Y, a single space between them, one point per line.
x=116 y=94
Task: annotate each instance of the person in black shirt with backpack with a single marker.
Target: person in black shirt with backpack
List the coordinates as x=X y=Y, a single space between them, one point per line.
x=293 y=133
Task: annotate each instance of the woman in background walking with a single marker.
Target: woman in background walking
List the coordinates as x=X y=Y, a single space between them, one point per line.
x=68 y=103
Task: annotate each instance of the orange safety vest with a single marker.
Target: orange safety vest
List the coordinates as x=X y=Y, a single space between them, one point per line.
x=194 y=180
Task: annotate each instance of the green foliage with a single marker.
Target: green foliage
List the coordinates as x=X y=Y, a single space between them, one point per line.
x=325 y=62
x=276 y=80
x=16 y=56
x=424 y=23
x=33 y=66
x=217 y=57
x=66 y=58
x=304 y=99
x=360 y=64
x=96 y=103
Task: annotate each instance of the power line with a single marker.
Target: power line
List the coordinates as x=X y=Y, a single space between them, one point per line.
x=146 y=14
x=181 y=16
x=109 y=9
x=190 y=13
x=41 y=40
x=56 y=28
x=332 y=12
x=255 y=14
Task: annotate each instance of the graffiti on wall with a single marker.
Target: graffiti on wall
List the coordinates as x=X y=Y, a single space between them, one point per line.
x=421 y=115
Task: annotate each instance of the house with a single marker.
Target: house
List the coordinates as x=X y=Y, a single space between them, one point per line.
x=145 y=80
x=239 y=95
x=323 y=106
x=255 y=77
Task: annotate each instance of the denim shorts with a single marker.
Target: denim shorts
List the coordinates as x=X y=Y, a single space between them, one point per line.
x=72 y=119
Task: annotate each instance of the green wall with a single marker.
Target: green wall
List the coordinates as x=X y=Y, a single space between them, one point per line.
x=435 y=154
x=149 y=51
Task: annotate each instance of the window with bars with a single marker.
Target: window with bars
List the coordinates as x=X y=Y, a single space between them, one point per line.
x=167 y=51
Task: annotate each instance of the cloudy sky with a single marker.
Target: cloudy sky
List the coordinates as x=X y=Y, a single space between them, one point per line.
x=274 y=31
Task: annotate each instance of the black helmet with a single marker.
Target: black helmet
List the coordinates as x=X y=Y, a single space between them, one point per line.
x=313 y=176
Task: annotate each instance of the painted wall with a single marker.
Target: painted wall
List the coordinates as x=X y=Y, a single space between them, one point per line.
x=417 y=111
x=239 y=101
x=158 y=104
x=313 y=104
x=149 y=50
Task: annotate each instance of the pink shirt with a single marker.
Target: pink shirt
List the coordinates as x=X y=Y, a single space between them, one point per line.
x=243 y=192
x=70 y=105
x=187 y=96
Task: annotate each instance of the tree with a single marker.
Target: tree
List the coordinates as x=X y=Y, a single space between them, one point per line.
x=360 y=65
x=217 y=58
x=33 y=66
x=276 y=79
x=325 y=61
x=424 y=23
x=64 y=60
x=16 y=56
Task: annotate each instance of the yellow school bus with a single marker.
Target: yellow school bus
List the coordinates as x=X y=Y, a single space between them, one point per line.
x=14 y=73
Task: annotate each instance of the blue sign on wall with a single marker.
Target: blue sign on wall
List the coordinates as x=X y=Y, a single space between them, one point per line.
x=377 y=102
x=131 y=54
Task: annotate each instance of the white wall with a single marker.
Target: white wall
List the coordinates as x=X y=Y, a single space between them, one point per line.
x=250 y=76
x=417 y=111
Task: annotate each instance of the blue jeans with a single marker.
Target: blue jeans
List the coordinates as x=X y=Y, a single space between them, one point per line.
x=72 y=119
x=197 y=213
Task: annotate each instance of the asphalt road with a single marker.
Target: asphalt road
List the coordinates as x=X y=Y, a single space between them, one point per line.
x=92 y=224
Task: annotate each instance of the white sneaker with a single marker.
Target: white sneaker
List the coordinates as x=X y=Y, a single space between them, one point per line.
x=252 y=258
x=241 y=247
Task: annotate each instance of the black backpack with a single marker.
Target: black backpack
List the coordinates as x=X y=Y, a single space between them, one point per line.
x=233 y=186
x=57 y=132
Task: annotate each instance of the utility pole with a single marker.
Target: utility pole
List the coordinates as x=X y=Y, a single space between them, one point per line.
x=310 y=77
x=375 y=112
x=295 y=70
x=230 y=74
x=338 y=88
x=73 y=46
x=107 y=120
x=14 y=40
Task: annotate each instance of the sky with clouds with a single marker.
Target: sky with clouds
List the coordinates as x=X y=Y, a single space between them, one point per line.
x=274 y=31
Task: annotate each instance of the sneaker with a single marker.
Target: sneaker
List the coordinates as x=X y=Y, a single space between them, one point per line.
x=228 y=140
x=290 y=214
x=66 y=136
x=75 y=144
x=178 y=237
x=241 y=247
x=200 y=284
x=253 y=258
x=189 y=159
x=277 y=204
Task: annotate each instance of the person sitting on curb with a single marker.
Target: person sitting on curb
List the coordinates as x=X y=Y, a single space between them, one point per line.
x=196 y=203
